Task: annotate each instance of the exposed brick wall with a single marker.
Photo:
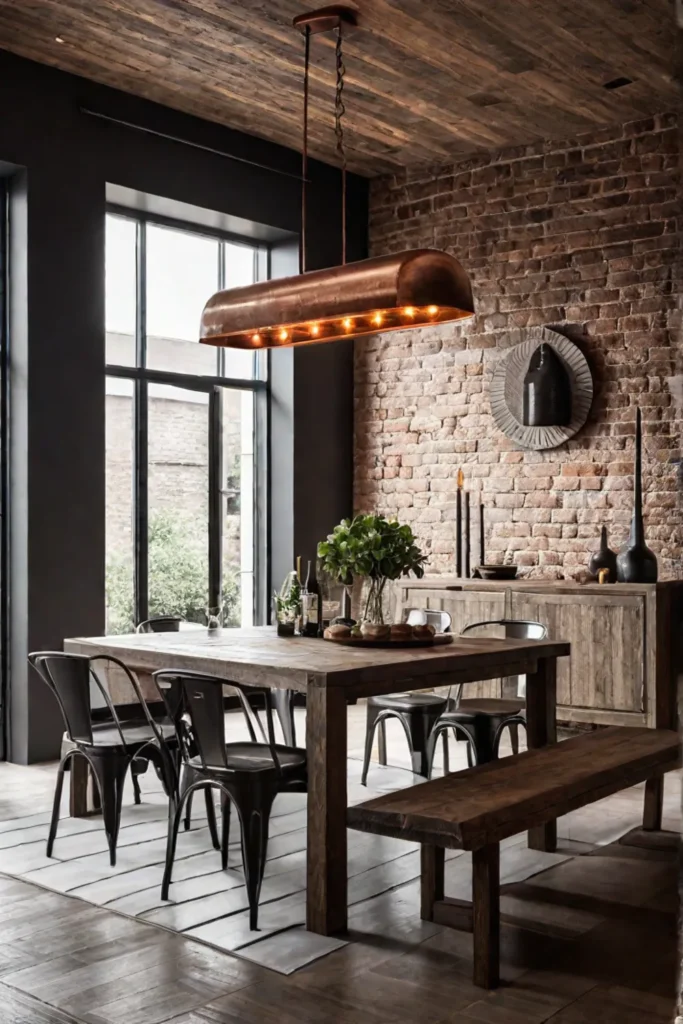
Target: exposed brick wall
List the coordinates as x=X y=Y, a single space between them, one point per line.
x=581 y=236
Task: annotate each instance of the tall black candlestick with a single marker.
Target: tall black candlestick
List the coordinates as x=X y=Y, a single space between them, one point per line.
x=467 y=535
x=482 y=559
x=458 y=526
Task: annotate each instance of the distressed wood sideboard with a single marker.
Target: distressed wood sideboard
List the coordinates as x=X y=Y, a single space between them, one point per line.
x=626 y=640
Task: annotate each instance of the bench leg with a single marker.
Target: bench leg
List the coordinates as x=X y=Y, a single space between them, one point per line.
x=654 y=803
x=486 y=908
x=432 y=863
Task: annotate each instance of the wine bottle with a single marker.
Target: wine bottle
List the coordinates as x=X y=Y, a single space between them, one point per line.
x=313 y=618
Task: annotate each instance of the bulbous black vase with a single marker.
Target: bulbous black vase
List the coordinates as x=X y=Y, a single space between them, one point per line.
x=547 y=392
x=635 y=562
x=605 y=558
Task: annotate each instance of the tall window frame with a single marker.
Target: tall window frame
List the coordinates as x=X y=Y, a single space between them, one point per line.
x=213 y=386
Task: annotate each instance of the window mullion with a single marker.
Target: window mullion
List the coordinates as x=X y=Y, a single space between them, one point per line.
x=215 y=498
x=141 y=436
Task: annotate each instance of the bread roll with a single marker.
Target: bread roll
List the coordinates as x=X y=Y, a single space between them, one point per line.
x=338 y=631
x=375 y=631
x=401 y=631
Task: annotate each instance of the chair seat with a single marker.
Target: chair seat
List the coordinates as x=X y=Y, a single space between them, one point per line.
x=136 y=734
x=494 y=707
x=252 y=757
x=407 y=702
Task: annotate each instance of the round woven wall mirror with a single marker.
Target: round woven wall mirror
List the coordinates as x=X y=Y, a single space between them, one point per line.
x=507 y=390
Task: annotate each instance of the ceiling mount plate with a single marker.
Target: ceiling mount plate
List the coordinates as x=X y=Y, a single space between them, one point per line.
x=325 y=19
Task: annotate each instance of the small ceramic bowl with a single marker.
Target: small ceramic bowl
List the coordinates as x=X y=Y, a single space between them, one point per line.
x=497 y=572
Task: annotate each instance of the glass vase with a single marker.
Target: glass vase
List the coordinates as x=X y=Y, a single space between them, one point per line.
x=374 y=601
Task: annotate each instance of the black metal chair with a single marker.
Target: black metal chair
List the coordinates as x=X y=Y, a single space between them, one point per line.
x=110 y=746
x=417 y=712
x=160 y=624
x=249 y=773
x=482 y=721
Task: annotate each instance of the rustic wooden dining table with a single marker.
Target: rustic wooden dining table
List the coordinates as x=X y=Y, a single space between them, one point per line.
x=331 y=675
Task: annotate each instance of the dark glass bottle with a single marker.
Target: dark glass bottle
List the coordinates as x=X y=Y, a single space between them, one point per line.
x=604 y=558
x=313 y=622
x=547 y=398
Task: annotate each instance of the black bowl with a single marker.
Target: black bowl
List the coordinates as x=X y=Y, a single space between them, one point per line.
x=497 y=572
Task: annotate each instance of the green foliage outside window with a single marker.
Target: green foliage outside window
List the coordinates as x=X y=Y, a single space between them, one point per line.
x=178 y=577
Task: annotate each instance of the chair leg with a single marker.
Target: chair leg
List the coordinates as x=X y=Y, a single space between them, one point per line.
x=225 y=835
x=482 y=732
x=446 y=761
x=486 y=914
x=253 y=806
x=514 y=737
x=370 y=725
x=431 y=747
x=211 y=817
x=382 y=742
x=137 y=795
x=174 y=819
x=418 y=727
x=57 y=802
x=110 y=774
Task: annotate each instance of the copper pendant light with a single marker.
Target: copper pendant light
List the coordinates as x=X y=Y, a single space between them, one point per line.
x=409 y=289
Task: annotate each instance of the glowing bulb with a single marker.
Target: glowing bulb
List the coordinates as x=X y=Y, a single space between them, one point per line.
x=409 y=311
x=283 y=335
x=432 y=310
x=256 y=338
x=348 y=323
x=315 y=330
x=377 y=318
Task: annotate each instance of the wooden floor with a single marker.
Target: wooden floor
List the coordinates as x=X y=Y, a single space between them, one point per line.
x=593 y=939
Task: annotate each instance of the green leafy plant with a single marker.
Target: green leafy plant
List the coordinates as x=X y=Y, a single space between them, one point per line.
x=372 y=547
x=288 y=601
x=178 y=577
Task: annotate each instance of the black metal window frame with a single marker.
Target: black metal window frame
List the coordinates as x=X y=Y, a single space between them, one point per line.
x=4 y=468
x=213 y=386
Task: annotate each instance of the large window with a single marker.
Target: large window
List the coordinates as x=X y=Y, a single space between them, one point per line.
x=184 y=521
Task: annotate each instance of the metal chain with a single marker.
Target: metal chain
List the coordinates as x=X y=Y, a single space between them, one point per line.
x=339 y=111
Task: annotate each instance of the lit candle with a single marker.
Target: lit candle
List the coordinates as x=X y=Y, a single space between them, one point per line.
x=458 y=524
x=467 y=535
x=482 y=560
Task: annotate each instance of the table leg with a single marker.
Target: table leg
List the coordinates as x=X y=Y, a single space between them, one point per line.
x=654 y=804
x=326 y=858
x=541 y=709
x=78 y=795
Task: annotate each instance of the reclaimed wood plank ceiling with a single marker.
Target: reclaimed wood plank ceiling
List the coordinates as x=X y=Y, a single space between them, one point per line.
x=427 y=80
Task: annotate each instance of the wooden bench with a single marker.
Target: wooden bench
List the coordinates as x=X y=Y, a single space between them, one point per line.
x=477 y=808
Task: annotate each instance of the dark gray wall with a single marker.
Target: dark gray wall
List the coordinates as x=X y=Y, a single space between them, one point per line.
x=57 y=345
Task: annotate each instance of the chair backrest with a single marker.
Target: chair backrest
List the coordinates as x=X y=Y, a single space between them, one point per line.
x=160 y=624
x=68 y=676
x=195 y=705
x=509 y=629
x=441 y=621
x=512 y=629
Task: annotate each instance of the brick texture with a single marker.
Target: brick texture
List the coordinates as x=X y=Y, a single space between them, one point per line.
x=581 y=236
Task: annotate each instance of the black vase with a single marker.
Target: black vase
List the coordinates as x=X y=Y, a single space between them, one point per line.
x=635 y=562
x=605 y=558
x=547 y=391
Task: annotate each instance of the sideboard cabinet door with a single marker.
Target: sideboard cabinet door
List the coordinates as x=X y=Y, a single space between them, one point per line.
x=607 y=634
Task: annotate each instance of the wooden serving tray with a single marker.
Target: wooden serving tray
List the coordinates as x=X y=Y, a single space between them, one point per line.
x=350 y=641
